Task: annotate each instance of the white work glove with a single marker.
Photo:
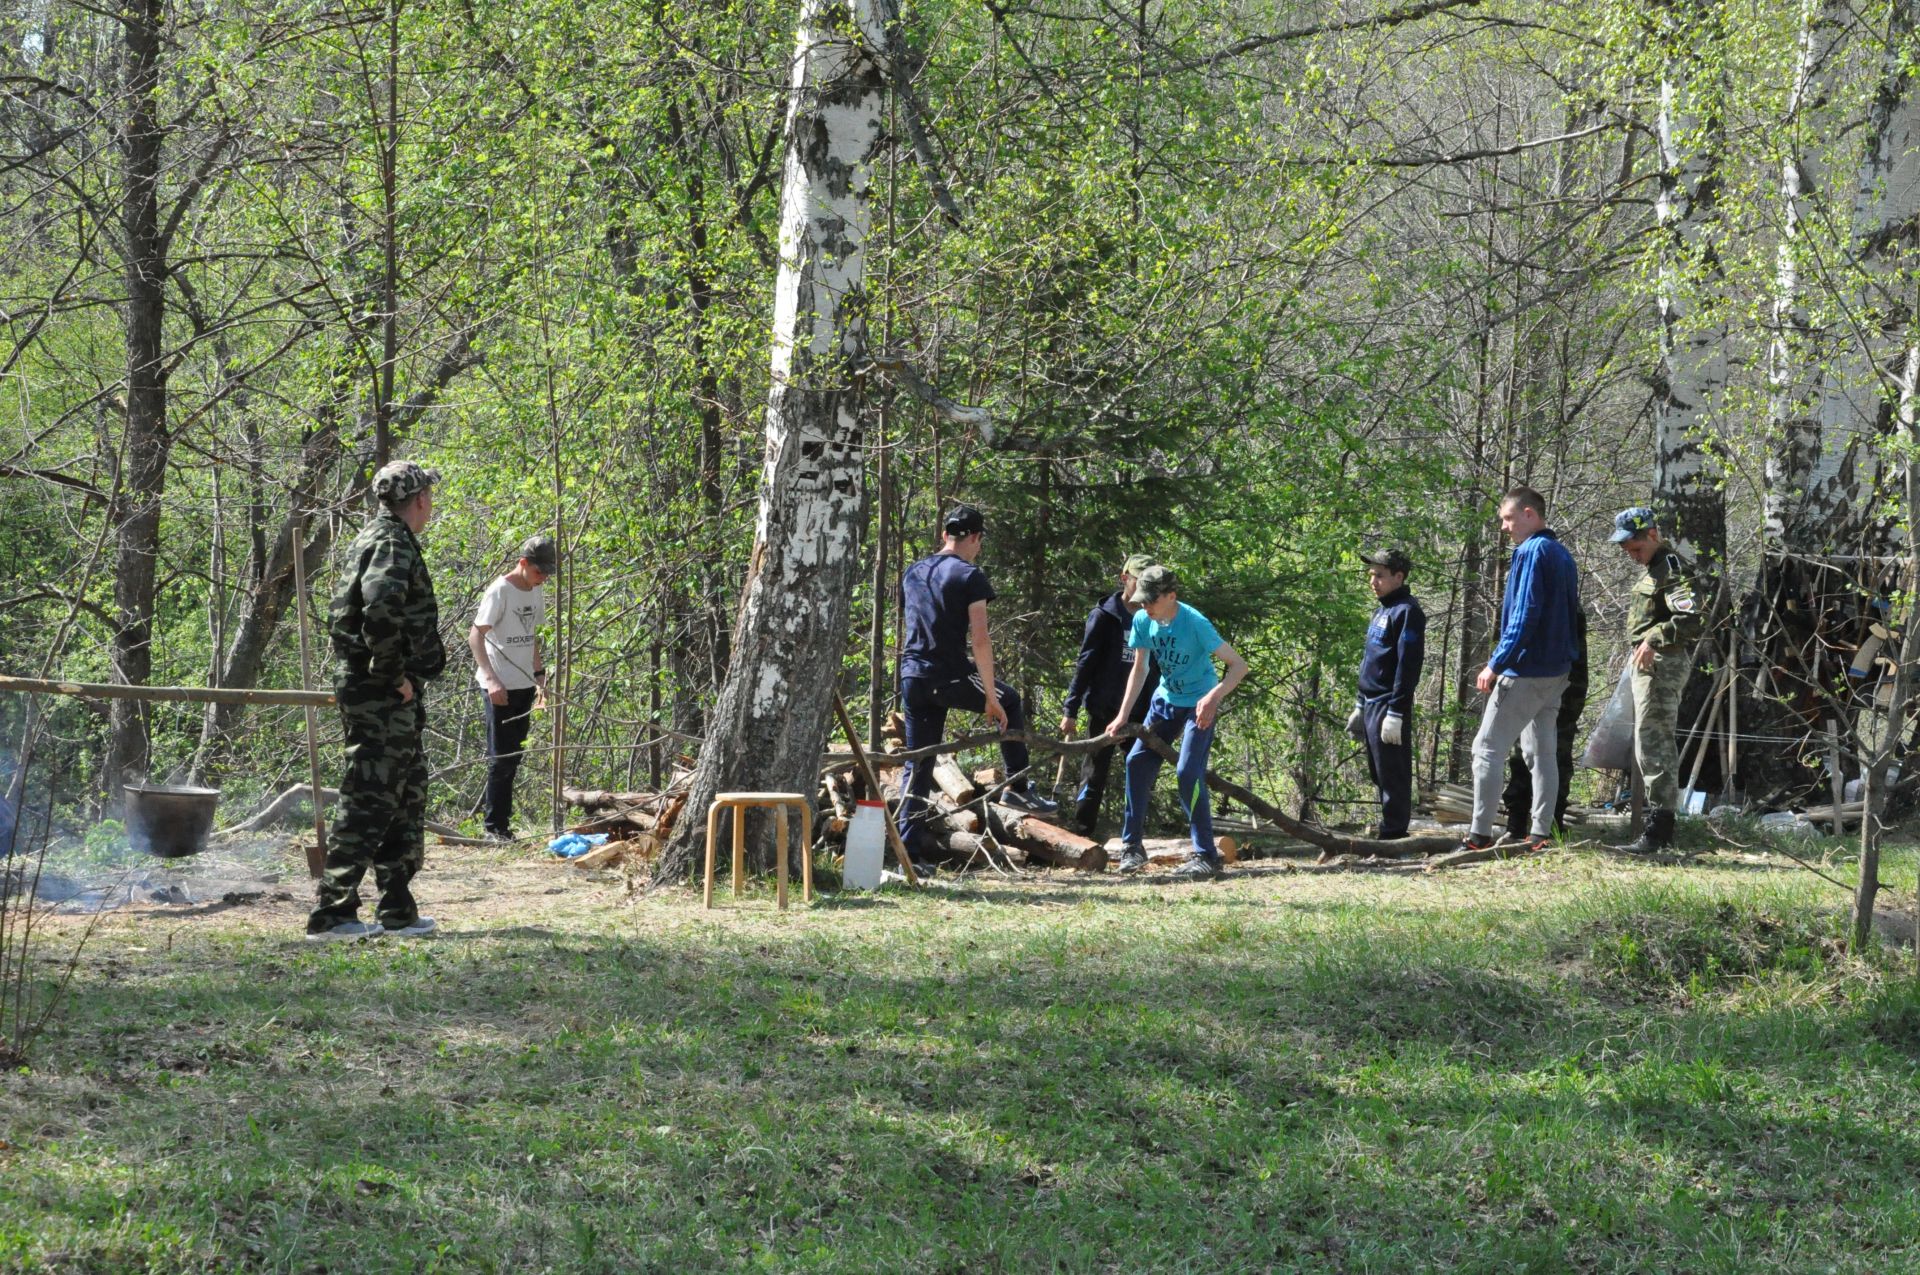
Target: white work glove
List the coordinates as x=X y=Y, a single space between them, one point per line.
x=1390 y=728
x=1355 y=727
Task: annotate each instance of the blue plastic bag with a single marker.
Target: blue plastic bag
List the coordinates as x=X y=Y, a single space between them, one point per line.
x=571 y=845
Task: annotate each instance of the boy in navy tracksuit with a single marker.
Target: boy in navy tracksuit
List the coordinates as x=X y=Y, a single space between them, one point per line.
x=1527 y=673
x=944 y=602
x=1389 y=672
x=1099 y=680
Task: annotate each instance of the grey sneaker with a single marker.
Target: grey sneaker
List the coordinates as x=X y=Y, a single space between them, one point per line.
x=422 y=925
x=1199 y=868
x=1030 y=801
x=346 y=932
x=496 y=837
x=1132 y=859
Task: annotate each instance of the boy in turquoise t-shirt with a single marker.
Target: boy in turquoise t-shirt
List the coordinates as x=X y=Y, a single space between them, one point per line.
x=1184 y=644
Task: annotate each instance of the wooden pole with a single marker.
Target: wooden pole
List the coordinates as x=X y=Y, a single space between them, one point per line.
x=1835 y=776
x=317 y=852
x=873 y=784
x=172 y=694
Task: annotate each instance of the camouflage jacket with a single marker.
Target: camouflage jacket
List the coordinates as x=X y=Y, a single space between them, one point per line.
x=384 y=619
x=1667 y=602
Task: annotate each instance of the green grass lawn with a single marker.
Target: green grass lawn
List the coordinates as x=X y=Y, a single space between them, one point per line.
x=1571 y=1064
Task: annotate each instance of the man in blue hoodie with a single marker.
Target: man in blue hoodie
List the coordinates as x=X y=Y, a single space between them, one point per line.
x=1099 y=680
x=1527 y=673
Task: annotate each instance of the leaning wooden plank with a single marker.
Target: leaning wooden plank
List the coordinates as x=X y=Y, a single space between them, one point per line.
x=167 y=694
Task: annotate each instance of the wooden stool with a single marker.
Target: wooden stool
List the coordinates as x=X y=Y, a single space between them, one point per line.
x=740 y=803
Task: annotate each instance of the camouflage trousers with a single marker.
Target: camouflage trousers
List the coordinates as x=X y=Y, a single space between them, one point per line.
x=383 y=805
x=1656 y=708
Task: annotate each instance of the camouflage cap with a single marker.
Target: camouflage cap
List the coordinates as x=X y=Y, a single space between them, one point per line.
x=542 y=553
x=1628 y=523
x=401 y=480
x=1155 y=582
x=1137 y=563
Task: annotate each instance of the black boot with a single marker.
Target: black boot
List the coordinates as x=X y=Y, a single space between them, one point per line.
x=1658 y=835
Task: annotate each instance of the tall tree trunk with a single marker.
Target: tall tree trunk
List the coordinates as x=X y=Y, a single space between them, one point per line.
x=770 y=722
x=1855 y=403
x=1795 y=358
x=1691 y=387
x=144 y=446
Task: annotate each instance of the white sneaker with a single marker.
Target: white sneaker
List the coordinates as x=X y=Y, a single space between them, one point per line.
x=346 y=932
x=422 y=925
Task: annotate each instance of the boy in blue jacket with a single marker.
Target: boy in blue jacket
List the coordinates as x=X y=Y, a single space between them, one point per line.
x=1527 y=673
x=1389 y=673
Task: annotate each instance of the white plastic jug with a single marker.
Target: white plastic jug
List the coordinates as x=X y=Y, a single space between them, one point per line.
x=866 y=846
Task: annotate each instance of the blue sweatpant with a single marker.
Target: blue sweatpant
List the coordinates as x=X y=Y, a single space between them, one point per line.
x=1143 y=767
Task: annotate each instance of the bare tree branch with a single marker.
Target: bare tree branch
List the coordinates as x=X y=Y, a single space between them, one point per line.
x=907 y=377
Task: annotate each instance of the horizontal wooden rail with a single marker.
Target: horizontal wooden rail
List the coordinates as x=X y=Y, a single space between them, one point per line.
x=175 y=694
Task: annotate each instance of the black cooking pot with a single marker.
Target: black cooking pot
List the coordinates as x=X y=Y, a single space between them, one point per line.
x=170 y=822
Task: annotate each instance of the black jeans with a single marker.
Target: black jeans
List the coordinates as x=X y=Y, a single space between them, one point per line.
x=1518 y=794
x=927 y=702
x=1098 y=764
x=507 y=727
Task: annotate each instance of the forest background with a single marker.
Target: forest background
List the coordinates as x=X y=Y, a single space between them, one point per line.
x=1244 y=285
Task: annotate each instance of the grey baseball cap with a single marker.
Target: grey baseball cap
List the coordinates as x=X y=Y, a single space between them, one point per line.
x=401 y=480
x=542 y=553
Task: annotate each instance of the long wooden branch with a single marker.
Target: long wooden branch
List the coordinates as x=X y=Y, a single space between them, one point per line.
x=1312 y=834
x=169 y=694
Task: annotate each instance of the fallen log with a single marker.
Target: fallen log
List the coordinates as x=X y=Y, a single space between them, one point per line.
x=601 y=799
x=1046 y=842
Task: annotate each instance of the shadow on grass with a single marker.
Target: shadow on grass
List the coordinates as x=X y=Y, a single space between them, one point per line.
x=1215 y=1099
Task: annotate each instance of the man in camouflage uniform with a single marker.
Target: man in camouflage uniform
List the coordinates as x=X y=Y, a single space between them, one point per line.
x=1664 y=619
x=386 y=634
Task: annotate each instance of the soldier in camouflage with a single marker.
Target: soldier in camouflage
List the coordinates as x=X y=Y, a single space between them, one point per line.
x=386 y=634
x=1664 y=619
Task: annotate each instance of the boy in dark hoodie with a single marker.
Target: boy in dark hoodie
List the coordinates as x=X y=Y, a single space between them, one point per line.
x=1099 y=680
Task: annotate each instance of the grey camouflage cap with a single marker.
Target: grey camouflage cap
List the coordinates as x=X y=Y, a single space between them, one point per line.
x=401 y=480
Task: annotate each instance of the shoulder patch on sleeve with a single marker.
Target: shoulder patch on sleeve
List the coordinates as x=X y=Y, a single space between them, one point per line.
x=1682 y=599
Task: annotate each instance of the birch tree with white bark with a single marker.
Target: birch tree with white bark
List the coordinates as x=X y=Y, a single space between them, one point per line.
x=1691 y=390
x=1832 y=468
x=769 y=724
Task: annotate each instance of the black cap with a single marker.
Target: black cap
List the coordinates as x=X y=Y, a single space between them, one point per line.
x=964 y=520
x=1391 y=559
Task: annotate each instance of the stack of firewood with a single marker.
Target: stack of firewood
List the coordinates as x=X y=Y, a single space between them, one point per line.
x=969 y=828
x=637 y=824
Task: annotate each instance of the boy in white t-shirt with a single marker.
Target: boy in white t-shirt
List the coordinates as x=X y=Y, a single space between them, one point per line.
x=505 y=643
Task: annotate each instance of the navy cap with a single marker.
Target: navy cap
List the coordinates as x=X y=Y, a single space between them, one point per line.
x=964 y=520
x=1628 y=523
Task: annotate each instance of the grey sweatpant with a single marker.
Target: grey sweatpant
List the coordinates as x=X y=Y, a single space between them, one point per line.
x=1522 y=708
